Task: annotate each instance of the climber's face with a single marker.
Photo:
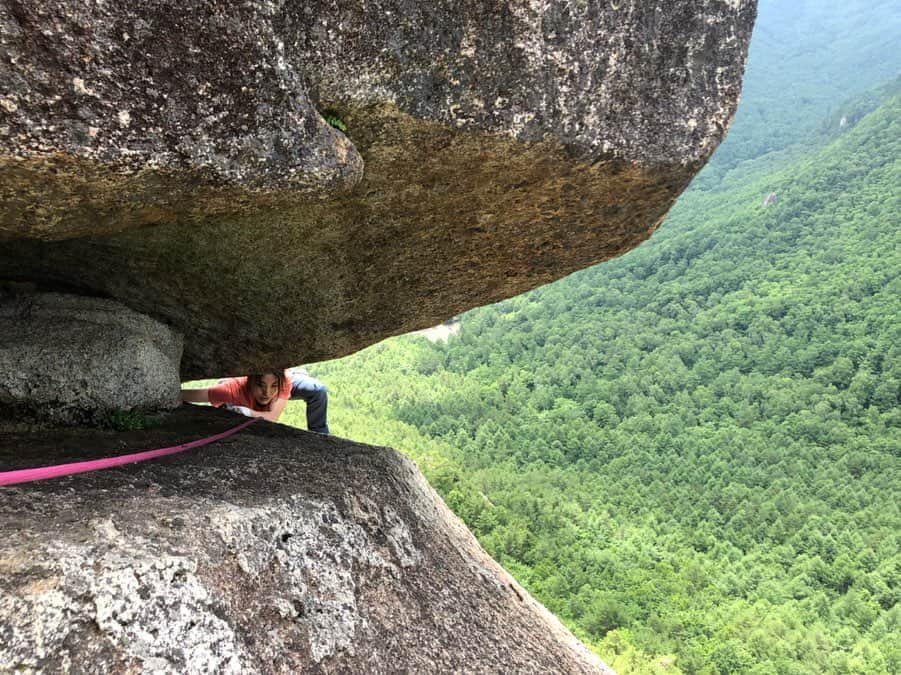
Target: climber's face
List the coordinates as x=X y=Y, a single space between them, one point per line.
x=264 y=389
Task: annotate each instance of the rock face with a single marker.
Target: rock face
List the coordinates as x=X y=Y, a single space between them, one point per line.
x=62 y=355
x=174 y=156
x=274 y=551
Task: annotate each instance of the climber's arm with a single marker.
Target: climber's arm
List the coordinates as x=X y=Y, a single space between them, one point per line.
x=271 y=415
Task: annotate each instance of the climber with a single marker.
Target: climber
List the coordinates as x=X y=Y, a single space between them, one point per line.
x=265 y=393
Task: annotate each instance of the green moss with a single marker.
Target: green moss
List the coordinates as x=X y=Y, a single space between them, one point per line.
x=334 y=120
x=129 y=420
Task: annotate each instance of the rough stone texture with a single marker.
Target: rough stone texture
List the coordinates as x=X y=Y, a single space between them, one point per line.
x=62 y=355
x=275 y=551
x=490 y=148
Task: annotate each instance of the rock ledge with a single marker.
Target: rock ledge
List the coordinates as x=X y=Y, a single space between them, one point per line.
x=273 y=551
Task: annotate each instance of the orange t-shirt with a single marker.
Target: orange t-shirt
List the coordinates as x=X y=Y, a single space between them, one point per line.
x=234 y=391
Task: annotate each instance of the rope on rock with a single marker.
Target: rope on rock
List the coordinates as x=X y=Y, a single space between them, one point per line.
x=45 y=472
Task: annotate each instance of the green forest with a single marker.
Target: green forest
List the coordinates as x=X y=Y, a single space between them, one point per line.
x=690 y=454
x=806 y=58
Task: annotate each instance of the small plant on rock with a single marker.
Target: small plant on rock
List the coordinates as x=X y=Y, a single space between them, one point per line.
x=128 y=420
x=334 y=120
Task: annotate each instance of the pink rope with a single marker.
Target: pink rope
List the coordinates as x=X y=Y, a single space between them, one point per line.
x=44 y=472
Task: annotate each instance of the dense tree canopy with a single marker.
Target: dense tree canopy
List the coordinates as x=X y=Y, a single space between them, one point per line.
x=690 y=454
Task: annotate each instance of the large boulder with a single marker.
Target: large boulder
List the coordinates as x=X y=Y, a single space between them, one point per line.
x=69 y=358
x=174 y=156
x=276 y=551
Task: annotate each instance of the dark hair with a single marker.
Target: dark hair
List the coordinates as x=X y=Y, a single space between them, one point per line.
x=256 y=378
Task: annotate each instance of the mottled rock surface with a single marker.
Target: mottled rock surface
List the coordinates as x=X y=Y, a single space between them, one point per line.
x=174 y=156
x=62 y=355
x=275 y=550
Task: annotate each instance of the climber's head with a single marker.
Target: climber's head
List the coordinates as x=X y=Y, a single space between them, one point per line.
x=265 y=385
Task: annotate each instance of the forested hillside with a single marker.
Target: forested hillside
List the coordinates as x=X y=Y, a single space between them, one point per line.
x=806 y=58
x=690 y=454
